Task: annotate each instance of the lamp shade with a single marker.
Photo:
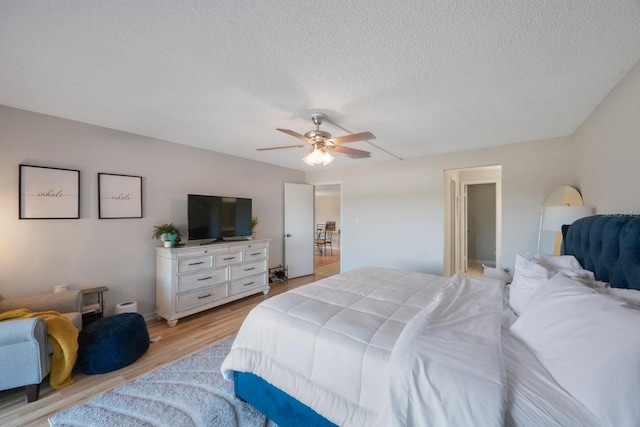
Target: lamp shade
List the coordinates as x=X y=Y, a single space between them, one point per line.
x=554 y=217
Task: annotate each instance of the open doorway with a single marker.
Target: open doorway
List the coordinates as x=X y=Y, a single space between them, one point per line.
x=473 y=219
x=328 y=229
x=481 y=227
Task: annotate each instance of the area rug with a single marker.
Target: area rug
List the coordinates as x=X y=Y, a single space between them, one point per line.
x=187 y=392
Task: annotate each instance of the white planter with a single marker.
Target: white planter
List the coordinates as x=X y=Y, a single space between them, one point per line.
x=167 y=243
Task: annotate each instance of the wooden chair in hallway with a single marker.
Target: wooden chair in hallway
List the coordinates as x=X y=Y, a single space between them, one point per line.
x=325 y=236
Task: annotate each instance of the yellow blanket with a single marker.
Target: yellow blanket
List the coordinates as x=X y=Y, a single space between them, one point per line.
x=64 y=339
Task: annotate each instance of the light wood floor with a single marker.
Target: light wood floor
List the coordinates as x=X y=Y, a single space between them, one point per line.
x=474 y=268
x=190 y=335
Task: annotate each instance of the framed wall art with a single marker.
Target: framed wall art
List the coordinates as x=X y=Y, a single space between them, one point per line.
x=49 y=193
x=119 y=196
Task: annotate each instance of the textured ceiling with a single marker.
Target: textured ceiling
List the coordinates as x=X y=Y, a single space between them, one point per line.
x=425 y=77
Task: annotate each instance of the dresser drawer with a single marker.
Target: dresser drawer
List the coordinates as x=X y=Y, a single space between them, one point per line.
x=247 y=283
x=186 y=265
x=248 y=269
x=187 y=282
x=259 y=252
x=228 y=258
x=201 y=297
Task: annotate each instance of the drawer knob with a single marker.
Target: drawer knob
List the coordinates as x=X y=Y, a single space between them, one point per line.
x=229 y=258
x=255 y=253
x=249 y=284
x=205 y=278
x=196 y=263
x=204 y=296
x=249 y=269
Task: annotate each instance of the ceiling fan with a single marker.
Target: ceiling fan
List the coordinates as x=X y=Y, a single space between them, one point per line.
x=322 y=142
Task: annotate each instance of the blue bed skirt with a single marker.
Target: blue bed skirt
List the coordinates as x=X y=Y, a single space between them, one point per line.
x=278 y=406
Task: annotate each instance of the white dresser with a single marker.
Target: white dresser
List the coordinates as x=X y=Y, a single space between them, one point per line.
x=191 y=279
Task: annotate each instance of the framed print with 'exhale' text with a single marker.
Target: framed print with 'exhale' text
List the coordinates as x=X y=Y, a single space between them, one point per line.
x=119 y=196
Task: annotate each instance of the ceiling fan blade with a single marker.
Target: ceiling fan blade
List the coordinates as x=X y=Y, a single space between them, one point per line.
x=277 y=148
x=351 y=152
x=352 y=138
x=296 y=134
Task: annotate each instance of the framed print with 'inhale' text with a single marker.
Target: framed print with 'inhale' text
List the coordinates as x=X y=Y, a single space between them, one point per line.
x=49 y=193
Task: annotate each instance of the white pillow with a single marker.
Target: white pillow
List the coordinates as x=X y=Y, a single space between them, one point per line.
x=556 y=262
x=533 y=271
x=589 y=343
x=496 y=273
x=528 y=277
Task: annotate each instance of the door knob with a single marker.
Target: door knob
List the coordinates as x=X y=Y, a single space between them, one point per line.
x=288 y=235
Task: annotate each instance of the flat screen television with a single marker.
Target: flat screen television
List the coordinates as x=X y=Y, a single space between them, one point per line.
x=218 y=218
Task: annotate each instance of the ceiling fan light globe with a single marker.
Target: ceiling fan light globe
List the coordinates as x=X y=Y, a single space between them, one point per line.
x=307 y=161
x=313 y=157
x=317 y=156
x=328 y=158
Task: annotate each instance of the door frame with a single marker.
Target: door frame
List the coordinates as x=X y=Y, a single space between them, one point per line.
x=454 y=184
x=327 y=183
x=465 y=220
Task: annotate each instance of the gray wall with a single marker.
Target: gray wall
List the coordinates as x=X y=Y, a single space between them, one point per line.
x=607 y=154
x=35 y=255
x=481 y=223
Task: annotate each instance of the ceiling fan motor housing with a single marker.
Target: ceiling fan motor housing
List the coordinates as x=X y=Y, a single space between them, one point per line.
x=318 y=135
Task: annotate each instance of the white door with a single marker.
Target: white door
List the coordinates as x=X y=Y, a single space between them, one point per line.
x=298 y=229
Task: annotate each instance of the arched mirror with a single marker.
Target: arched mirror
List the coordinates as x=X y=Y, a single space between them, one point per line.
x=562 y=206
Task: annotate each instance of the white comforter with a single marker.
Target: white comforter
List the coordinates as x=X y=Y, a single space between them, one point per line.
x=446 y=368
x=382 y=346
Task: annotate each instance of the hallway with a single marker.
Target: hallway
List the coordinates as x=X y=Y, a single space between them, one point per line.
x=326 y=265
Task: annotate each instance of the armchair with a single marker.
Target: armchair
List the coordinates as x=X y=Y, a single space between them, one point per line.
x=25 y=352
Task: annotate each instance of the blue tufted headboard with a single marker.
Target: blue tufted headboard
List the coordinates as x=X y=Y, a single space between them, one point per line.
x=608 y=245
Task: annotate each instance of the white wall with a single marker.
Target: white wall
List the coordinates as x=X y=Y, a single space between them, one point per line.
x=607 y=154
x=327 y=209
x=395 y=217
x=119 y=253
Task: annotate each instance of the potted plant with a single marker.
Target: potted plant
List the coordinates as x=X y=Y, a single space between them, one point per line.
x=254 y=223
x=167 y=233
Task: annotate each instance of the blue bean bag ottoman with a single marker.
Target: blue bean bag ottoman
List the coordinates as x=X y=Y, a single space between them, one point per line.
x=112 y=343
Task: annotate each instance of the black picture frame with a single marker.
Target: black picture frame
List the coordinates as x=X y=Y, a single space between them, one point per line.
x=119 y=196
x=48 y=193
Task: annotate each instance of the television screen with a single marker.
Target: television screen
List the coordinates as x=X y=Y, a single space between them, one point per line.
x=215 y=217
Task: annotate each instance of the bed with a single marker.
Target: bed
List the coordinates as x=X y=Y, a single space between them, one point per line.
x=383 y=347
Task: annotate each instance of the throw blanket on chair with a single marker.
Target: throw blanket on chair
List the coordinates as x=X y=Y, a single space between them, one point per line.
x=62 y=335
